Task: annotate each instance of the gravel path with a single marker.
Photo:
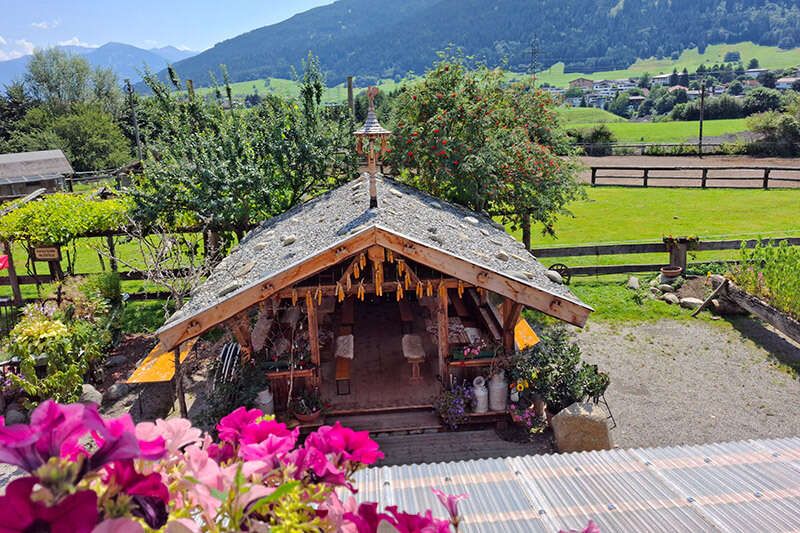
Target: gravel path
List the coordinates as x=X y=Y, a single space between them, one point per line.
x=688 y=382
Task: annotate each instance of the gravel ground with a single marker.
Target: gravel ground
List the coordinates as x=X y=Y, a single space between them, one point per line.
x=689 y=382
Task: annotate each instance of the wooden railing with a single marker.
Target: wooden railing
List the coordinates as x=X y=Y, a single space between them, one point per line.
x=701 y=176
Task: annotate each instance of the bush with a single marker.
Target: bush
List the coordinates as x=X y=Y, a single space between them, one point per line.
x=596 y=141
x=771 y=271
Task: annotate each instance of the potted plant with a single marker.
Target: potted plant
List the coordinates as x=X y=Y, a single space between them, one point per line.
x=453 y=405
x=306 y=406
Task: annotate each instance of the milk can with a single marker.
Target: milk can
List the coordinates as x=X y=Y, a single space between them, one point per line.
x=481 y=394
x=498 y=392
x=264 y=401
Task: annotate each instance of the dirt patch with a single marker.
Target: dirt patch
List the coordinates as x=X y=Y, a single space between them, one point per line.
x=695 y=288
x=687 y=382
x=131 y=349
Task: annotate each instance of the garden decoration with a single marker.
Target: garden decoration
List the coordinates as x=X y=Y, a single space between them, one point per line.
x=307 y=406
x=89 y=474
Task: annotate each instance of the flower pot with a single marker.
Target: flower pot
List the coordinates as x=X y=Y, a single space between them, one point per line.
x=671 y=272
x=308 y=417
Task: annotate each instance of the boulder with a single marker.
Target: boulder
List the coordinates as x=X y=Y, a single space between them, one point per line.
x=656 y=291
x=671 y=298
x=554 y=276
x=691 y=303
x=666 y=287
x=15 y=415
x=90 y=395
x=633 y=283
x=155 y=401
x=654 y=282
x=116 y=391
x=581 y=427
x=116 y=360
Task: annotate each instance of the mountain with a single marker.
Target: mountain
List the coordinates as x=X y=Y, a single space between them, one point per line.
x=387 y=38
x=126 y=60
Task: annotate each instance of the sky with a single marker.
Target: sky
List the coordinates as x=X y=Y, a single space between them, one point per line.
x=187 y=24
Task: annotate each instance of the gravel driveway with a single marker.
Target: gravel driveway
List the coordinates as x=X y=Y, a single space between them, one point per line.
x=687 y=382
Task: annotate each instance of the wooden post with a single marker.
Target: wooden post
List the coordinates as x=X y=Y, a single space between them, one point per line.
x=179 y=393
x=443 y=325
x=112 y=254
x=645 y=177
x=12 y=275
x=766 y=179
x=135 y=120
x=677 y=253
x=351 y=104
x=702 y=112
x=704 y=178
x=313 y=338
x=526 y=231
x=594 y=176
x=511 y=312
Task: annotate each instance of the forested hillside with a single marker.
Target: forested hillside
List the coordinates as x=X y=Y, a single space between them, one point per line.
x=386 y=38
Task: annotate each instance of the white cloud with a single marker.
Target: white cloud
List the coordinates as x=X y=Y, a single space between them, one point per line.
x=2 y=41
x=77 y=42
x=184 y=48
x=46 y=24
x=21 y=47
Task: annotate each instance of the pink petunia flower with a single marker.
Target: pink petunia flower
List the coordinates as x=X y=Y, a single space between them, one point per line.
x=230 y=427
x=177 y=433
x=77 y=513
x=450 y=502
x=352 y=446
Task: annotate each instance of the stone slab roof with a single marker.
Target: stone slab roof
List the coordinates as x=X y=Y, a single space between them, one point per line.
x=29 y=164
x=302 y=232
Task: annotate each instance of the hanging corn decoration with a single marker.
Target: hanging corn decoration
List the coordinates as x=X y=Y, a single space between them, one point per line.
x=401 y=267
x=429 y=289
x=362 y=260
x=294 y=296
x=389 y=256
x=361 y=291
x=442 y=290
x=318 y=295
x=419 y=290
x=407 y=281
x=339 y=292
x=356 y=271
x=348 y=283
x=460 y=289
x=309 y=299
x=399 y=291
x=481 y=292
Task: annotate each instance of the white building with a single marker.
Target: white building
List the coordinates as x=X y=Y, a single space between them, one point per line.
x=784 y=84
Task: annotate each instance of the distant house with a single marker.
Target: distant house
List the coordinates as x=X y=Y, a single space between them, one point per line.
x=24 y=172
x=784 y=84
x=755 y=72
x=677 y=88
x=661 y=79
x=582 y=83
x=635 y=101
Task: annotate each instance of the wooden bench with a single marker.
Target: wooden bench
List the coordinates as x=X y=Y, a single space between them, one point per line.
x=406 y=316
x=414 y=354
x=343 y=353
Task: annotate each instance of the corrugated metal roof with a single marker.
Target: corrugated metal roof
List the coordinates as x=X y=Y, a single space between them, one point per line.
x=26 y=164
x=738 y=486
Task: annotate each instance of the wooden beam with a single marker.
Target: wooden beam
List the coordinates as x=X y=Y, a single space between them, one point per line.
x=313 y=337
x=546 y=302
x=511 y=312
x=241 y=329
x=780 y=320
x=443 y=330
x=12 y=275
x=179 y=393
x=197 y=324
x=388 y=286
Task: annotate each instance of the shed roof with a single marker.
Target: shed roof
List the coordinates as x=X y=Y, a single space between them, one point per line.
x=736 y=486
x=45 y=163
x=339 y=218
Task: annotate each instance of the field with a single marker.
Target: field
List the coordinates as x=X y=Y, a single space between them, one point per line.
x=768 y=57
x=668 y=132
x=289 y=88
x=585 y=116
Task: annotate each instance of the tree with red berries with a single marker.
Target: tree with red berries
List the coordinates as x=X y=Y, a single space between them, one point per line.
x=471 y=137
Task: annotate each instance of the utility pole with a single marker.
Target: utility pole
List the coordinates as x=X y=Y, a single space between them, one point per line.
x=350 y=101
x=702 y=109
x=132 y=104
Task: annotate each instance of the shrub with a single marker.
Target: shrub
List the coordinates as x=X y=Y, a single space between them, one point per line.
x=771 y=271
x=596 y=141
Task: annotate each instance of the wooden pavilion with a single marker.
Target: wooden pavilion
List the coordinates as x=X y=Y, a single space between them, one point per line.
x=376 y=306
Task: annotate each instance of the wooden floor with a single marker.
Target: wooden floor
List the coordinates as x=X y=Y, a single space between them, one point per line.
x=379 y=372
x=454 y=446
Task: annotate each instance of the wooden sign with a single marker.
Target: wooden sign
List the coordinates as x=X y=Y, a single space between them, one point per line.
x=47 y=253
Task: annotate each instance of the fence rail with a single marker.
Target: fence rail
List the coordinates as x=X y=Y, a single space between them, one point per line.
x=699 y=175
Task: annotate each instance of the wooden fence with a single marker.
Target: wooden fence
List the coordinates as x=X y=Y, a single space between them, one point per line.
x=678 y=250
x=697 y=176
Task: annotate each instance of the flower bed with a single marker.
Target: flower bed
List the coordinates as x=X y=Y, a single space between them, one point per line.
x=772 y=273
x=89 y=474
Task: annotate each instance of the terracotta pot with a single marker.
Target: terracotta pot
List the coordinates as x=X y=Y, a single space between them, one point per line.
x=308 y=418
x=671 y=271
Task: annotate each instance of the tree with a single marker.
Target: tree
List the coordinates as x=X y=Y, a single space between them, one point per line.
x=91 y=139
x=13 y=105
x=753 y=64
x=683 y=79
x=732 y=57
x=645 y=81
x=768 y=79
x=735 y=88
x=761 y=99
x=673 y=78
x=620 y=104
x=469 y=138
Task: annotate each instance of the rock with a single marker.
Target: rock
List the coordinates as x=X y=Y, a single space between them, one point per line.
x=116 y=360
x=502 y=256
x=671 y=298
x=691 y=303
x=654 y=282
x=666 y=287
x=90 y=395
x=633 y=283
x=155 y=401
x=554 y=276
x=286 y=240
x=471 y=220
x=115 y=392
x=15 y=415
x=656 y=291
x=581 y=427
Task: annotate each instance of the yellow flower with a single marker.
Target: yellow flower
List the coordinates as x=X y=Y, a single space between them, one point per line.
x=520 y=388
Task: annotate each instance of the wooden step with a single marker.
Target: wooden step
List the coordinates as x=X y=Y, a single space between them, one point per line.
x=398 y=422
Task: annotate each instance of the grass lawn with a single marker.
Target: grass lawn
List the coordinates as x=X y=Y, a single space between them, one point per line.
x=584 y=116
x=667 y=132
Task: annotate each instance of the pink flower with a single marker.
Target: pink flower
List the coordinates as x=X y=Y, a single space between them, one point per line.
x=230 y=426
x=148 y=493
x=118 y=525
x=367 y=520
x=351 y=446
x=77 y=513
x=591 y=527
x=118 y=442
x=266 y=441
x=450 y=502
x=177 y=433
x=310 y=462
